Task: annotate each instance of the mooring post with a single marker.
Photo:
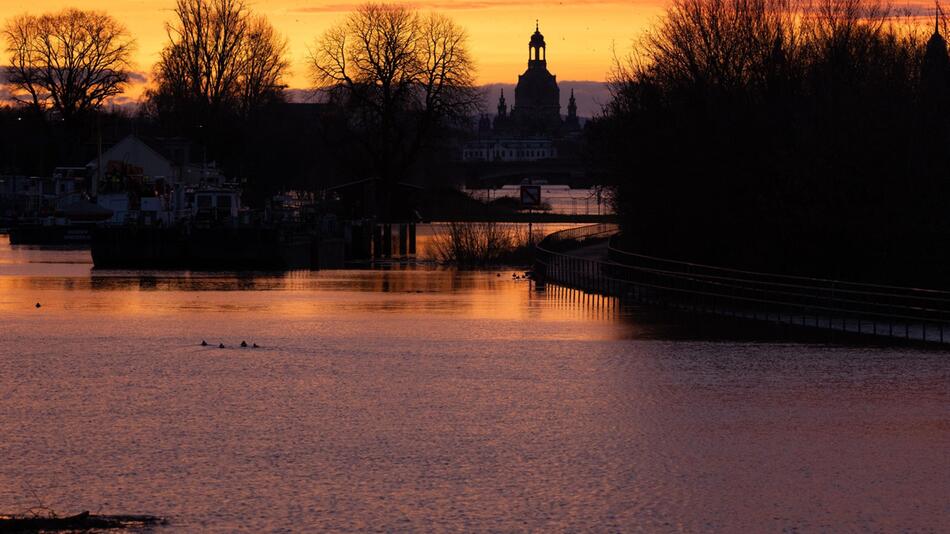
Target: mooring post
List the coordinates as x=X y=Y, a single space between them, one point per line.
x=412 y=239
x=388 y=240
x=403 y=240
x=377 y=241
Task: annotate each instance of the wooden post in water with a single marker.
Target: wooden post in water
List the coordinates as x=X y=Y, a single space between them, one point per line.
x=403 y=240
x=388 y=240
x=412 y=239
x=377 y=241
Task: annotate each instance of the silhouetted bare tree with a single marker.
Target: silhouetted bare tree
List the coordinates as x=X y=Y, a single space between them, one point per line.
x=220 y=59
x=264 y=59
x=400 y=75
x=70 y=62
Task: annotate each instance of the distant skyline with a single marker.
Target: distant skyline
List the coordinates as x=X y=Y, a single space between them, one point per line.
x=581 y=34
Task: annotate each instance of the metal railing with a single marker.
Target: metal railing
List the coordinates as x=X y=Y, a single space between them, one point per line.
x=573 y=238
x=850 y=307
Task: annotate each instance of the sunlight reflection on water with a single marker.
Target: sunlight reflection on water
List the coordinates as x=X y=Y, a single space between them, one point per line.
x=430 y=399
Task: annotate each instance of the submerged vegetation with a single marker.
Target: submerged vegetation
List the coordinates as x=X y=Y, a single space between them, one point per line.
x=484 y=243
x=805 y=137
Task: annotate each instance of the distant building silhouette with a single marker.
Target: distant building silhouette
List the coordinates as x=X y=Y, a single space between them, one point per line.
x=537 y=97
x=935 y=67
x=572 y=123
x=526 y=131
x=509 y=149
x=537 y=107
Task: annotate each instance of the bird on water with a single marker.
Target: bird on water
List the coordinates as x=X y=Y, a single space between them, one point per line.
x=220 y=345
x=244 y=344
x=38 y=305
x=204 y=343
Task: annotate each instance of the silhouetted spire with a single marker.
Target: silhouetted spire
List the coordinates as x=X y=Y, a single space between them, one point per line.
x=937 y=46
x=572 y=123
x=537 y=49
x=935 y=67
x=502 y=105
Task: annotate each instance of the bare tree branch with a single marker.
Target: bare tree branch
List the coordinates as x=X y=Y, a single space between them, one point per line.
x=399 y=74
x=219 y=58
x=71 y=61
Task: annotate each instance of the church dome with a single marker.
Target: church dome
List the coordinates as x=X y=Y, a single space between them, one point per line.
x=537 y=87
x=537 y=40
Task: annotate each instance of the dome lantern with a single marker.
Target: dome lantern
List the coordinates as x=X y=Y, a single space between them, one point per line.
x=537 y=49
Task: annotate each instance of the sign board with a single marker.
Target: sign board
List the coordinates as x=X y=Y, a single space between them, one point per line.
x=530 y=196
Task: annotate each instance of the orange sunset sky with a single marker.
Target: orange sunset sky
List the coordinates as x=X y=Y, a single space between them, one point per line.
x=580 y=34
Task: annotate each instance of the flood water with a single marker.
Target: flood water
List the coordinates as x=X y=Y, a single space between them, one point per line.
x=431 y=400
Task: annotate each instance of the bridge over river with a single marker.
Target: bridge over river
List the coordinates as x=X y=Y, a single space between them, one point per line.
x=585 y=258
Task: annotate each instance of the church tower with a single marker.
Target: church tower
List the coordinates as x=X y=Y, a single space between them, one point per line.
x=501 y=119
x=537 y=49
x=935 y=66
x=935 y=89
x=572 y=123
x=537 y=109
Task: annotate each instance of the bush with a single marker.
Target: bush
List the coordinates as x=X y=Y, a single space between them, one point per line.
x=480 y=244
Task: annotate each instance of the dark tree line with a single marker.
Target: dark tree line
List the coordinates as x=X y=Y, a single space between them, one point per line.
x=782 y=136
x=393 y=82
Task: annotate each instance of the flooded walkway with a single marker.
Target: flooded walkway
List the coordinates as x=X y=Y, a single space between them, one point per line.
x=583 y=258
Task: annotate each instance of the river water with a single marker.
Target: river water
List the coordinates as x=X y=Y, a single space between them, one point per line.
x=427 y=399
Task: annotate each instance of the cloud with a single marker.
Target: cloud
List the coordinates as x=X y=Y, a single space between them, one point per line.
x=138 y=77
x=452 y=5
